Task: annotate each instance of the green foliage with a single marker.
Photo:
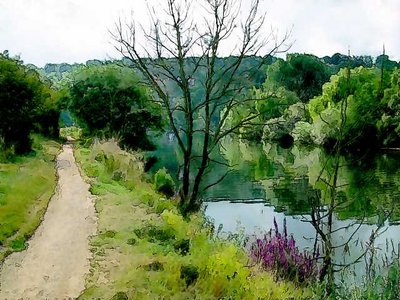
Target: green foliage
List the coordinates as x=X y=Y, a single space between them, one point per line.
x=302 y=132
x=303 y=74
x=338 y=61
x=297 y=79
x=190 y=274
x=366 y=98
x=18 y=245
x=109 y=101
x=384 y=60
x=72 y=131
x=120 y=296
x=26 y=104
x=278 y=128
x=389 y=124
x=164 y=183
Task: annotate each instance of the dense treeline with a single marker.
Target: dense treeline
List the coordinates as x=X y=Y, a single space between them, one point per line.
x=27 y=103
x=294 y=99
x=304 y=99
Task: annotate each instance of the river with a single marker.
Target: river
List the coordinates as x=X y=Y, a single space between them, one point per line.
x=265 y=181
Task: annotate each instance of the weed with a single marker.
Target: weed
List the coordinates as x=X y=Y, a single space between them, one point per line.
x=18 y=245
x=164 y=183
x=120 y=296
x=154 y=266
x=182 y=246
x=107 y=234
x=131 y=241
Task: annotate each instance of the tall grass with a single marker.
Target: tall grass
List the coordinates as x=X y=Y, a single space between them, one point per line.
x=144 y=249
x=26 y=186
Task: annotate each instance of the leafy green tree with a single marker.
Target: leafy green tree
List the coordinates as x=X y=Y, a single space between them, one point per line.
x=338 y=61
x=303 y=74
x=109 y=100
x=387 y=63
x=26 y=104
x=361 y=89
x=389 y=123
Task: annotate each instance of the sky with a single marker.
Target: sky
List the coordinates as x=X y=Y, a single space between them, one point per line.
x=55 y=31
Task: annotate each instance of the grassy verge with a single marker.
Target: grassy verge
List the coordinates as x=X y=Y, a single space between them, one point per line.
x=26 y=186
x=145 y=250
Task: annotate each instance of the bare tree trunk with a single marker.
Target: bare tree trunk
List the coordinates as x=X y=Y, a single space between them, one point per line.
x=179 y=37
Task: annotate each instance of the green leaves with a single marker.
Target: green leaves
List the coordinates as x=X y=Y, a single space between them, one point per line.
x=368 y=119
x=109 y=100
x=26 y=103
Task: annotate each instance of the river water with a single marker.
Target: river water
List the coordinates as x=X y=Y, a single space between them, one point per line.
x=265 y=181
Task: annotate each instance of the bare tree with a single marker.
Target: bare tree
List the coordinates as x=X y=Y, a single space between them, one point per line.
x=185 y=41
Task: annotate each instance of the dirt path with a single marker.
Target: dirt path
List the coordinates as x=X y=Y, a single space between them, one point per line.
x=57 y=259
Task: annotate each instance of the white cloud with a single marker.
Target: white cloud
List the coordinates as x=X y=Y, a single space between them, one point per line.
x=75 y=30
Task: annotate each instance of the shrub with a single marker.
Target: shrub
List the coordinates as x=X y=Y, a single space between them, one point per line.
x=189 y=274
x=278 y=252
x=182 y=246
x=72 y=131
x=164 y=183
x=154 y=266
x=120 y=296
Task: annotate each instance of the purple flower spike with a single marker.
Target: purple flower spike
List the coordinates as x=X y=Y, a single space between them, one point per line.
x=279 y=253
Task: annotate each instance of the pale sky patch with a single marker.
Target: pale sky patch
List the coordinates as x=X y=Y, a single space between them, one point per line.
x=44 y=31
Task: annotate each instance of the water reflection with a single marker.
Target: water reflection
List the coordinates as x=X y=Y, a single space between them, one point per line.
x=288 y=177
x=267 y=181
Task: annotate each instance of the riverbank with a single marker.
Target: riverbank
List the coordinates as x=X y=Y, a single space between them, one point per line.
x=26 y=186
x=145 y=250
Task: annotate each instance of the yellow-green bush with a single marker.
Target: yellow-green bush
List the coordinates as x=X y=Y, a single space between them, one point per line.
x=73 y=132
x=164 y=183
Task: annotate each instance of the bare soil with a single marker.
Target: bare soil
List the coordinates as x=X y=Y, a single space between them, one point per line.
x=56 y=261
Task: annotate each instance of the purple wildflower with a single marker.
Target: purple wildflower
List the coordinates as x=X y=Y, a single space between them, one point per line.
x=279 y=253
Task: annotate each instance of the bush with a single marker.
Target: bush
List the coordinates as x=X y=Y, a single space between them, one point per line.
x=189 y=274
x=164 y=183
x=120 y=296
x=72 y=131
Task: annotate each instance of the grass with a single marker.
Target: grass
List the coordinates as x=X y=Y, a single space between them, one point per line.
x=145 y=250
x=26 y=186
